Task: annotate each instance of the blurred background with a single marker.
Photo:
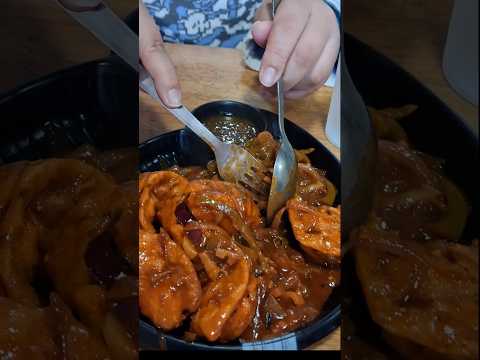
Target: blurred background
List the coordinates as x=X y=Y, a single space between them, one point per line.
x=412 y=33
x=38 y=38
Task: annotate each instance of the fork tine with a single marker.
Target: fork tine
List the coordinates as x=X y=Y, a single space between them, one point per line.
x=254 y=188
x=242 y=167
x=254 y=182
x=257 y=165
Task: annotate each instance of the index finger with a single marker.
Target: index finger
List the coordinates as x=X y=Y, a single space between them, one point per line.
x=290 y=20
x=156 y=60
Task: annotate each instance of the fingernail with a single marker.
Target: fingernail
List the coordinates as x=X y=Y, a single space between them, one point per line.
x=174 y=97
x=258 y=23
x=267 y=77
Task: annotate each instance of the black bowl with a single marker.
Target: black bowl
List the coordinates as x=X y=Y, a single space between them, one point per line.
x=232 y=109
x=434 y=129
x=222 y=108
x=176 y=148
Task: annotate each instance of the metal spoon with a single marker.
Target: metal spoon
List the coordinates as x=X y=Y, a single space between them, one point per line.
x=284 y=178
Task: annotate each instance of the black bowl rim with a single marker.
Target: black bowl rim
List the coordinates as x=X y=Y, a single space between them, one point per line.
x=323 y=326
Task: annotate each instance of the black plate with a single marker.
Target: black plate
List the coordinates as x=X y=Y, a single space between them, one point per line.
x=177 y=148
x=433 y=129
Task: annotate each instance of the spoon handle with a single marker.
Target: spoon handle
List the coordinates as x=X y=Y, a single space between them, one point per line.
x=280 y=97
x=280 y=108
x=275 y=4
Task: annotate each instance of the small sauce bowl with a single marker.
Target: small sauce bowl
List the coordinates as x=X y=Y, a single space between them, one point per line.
x=232 y=122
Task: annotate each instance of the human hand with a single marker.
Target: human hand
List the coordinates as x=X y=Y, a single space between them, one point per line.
x=156 y=61
x=302 y=43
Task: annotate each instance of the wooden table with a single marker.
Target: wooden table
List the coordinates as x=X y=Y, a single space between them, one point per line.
x=38 y=38
x=208 y=74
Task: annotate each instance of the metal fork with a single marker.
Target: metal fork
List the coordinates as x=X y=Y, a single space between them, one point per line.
x=234 y=163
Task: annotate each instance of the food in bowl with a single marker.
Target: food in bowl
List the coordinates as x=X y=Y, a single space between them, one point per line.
x=211 y=265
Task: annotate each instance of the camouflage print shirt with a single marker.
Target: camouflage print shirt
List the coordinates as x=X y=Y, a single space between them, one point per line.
x=219 y=23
